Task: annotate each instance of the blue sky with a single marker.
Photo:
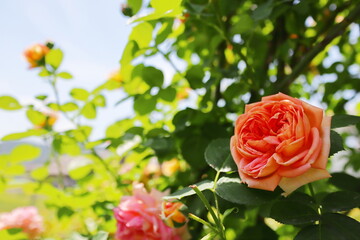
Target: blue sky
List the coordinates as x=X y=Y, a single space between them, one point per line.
x=91 y=33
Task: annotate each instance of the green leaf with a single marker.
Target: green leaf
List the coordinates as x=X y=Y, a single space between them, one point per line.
x=168 y=94
x=66 y=145
x=69 y=107
x=218 y=156
x=340 y=120
x=145 y=104
x=89 y=111
x=291 y=212
x=336 y=143
x=187 y=191
x=232 y=190
x=257 y=232
x=244 y=24
x=54 y=58
x=80 y=94
x=24 y=152
x=101 y=236
x=263 y=11
x=9 y=103
x=153 y=76
x=40 y=173
x=345 y=182
x=333 y=227
x=41 y=97
x=44 y=73
x=135 y=5
x=195 y=75
x=35 y=117
x=142 y=34
x=340 y=201
x=80 y=168
x=64 y=75
x=99 y=101
x=163 y=8
x=28 y=133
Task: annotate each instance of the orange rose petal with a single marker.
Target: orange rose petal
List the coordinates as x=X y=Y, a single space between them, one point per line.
x=290 y=172
x=316 y=141
x=292 y=148
x=280 y=160
x=314 y=114
x=325 y=136
x=233 y=150
x=267 y=183
x=279 y=97
x=291 y=184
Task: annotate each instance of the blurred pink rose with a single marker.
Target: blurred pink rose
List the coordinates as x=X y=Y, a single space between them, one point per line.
x=139 y=217
x=26 y=218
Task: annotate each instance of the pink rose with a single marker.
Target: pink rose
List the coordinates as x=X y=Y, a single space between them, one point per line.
x=26 y=218
x=139 y=217
x=281 y=141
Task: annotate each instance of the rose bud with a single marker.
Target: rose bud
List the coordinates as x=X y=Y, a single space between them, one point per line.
x=35 y=55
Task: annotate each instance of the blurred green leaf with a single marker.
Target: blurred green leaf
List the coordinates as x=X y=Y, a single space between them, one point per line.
x=35 y=117
x=135 y=5
x=9 y=103
x=28 y=133
x=101 y=236
x=168 y=94
x=66 y=145
x=99 y=100
x=24 y=152
x=153 y=76
x=54 y=58
x=89 y=111
x=40 y=173
x=263 y=11
x=142 y=34
x=64 y=75
x=69 y=107
x=144 y=104
x=80 y=94
x=195 y=75
x=80 y=168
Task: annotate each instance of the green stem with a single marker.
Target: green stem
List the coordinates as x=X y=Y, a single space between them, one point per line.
x=202 y=221
x=209 y=208
x=312 y=192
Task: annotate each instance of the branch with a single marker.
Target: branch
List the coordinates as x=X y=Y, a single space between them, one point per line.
x=333 y=33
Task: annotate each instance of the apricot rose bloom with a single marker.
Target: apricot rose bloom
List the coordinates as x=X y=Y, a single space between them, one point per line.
x=281 y=141
x=35 y=54
x=139 y=217
x=27 y=219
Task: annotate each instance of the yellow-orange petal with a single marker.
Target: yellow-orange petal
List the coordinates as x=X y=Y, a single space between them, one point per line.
x=322 y=159
x=291 y=184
